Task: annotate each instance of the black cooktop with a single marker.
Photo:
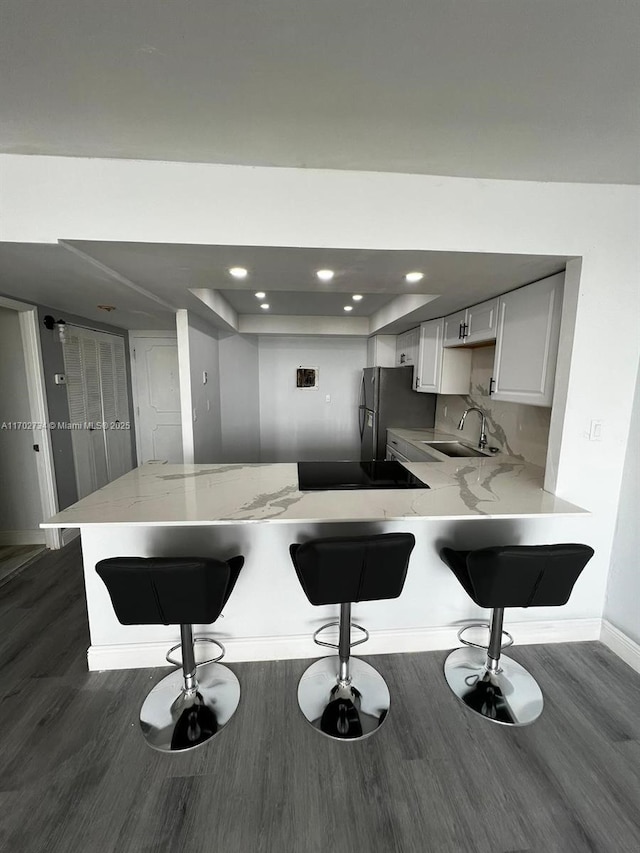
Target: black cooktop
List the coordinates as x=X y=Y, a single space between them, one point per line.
x=323 y=476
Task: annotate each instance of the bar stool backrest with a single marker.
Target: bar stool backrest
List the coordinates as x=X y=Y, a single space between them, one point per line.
x=169 y=590
x=526 y=575
x=354 y=568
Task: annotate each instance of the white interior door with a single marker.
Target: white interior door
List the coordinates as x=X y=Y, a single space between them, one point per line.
x=157 y=398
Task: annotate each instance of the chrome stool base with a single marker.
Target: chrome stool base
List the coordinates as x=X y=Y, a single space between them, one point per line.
x=174 y=719
x=351 y=710
x=509 y=696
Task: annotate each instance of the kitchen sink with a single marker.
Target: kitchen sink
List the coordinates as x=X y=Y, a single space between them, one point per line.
x=453 y=448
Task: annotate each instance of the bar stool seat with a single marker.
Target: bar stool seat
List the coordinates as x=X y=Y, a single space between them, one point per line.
x=194 y=703
x=342 y=697
x=488 y=682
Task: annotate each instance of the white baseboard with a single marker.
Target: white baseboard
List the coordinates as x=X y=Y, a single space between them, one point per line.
x=69 y=534
x=22 y=537
x=621 y=645
x=138 y=655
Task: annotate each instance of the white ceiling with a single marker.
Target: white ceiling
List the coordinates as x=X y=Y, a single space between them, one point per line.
x=540 y=90
x=147 y=282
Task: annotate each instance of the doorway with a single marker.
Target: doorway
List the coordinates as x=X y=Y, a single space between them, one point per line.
x=28 y=495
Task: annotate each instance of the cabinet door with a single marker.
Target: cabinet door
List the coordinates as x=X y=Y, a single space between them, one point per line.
x=394 y=455
x=381 y=351
x=407 y=347
x=454 y=325
x=527 y=342
x=429 y=368
x=482 y=321
x=401 y=349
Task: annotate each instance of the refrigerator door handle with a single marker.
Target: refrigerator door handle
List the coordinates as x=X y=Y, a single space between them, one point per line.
x=361 y=420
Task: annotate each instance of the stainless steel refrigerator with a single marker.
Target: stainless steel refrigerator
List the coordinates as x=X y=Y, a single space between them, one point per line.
x=387 y=400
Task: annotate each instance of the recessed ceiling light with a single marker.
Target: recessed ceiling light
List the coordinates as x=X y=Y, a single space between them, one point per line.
x=265 y=306
x=412 y=277
x=325 y=275
x=238 y=272
x=260 y=295
x=348 y=307
x=356 y=297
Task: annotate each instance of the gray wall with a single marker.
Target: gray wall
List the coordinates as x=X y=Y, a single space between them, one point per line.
x=622 y=606
x=205 y=398
x=299 y=424
x=20 y=508
x=53 y=362
x=239 y=398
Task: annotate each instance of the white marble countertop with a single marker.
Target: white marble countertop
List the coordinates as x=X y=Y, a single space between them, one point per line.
x=190 y=495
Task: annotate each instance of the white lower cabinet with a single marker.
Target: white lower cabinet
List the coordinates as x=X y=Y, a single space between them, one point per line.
x=527 y=343
x=440 y=370
x=394 y=456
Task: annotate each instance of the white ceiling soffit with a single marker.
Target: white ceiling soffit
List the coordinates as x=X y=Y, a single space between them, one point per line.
x=52 y=276
x=182 y=275
x=544 y=90
x=147 y=283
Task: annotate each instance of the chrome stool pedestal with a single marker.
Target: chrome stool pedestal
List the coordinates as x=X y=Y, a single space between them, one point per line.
x=490 y=683
x=191 y=705
x=342 y=697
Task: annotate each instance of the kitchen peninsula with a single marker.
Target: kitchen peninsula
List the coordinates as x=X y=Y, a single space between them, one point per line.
x=257 y=510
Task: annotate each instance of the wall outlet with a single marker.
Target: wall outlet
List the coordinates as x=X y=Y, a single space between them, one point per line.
x=595 y=431
x=327 y=399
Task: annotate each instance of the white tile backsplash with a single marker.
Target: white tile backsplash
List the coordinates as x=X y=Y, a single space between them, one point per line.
x=520 y=431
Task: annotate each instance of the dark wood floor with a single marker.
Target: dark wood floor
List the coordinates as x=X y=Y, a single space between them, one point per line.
x=77 y=777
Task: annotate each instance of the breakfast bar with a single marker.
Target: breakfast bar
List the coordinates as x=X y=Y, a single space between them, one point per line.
x=258 y=510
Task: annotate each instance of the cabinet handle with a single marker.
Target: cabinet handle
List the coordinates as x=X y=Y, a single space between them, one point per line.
x=492 y=385
x=464 y=330
x=393 y=442
x=460 y=331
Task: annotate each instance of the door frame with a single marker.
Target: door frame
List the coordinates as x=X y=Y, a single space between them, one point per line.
x=133 y=334
x=39 y=412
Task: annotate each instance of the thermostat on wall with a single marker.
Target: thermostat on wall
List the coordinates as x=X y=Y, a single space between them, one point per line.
x=60 y=379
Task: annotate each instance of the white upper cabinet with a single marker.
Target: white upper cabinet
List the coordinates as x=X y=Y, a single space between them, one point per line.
x=481 y=322
x=472 y=326
x=381 y=351
x=527 y=343
x=407 y=346
x=440 y=370
x=453 y=334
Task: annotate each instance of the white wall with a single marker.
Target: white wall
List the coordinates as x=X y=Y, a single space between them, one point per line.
x=298 y=424
x=622 y=606
x=20 y=506
x=239 y=398
x=200 y=401
x=44 y=199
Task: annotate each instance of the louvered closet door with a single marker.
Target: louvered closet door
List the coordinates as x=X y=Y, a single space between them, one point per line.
x=115 y=407
x=98 y=405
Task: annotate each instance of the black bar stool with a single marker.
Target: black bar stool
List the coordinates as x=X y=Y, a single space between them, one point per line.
x=192 y=704
x=344 y=697
x=488 y=682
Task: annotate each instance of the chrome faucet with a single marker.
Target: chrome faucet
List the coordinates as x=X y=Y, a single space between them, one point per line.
x=482 y=443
